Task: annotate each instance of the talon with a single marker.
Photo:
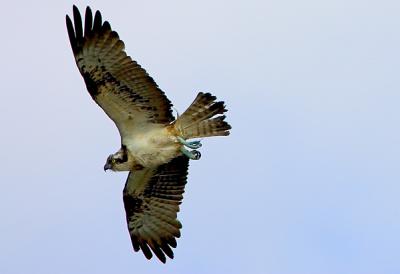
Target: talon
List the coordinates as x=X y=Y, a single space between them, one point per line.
x=193 y=155
x=189 y=144
x=196 y=154
x=197 y=144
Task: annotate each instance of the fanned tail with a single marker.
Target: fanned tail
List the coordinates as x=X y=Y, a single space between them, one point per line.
x=201 y=120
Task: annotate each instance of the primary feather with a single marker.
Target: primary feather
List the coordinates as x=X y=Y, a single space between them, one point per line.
x=121 y=87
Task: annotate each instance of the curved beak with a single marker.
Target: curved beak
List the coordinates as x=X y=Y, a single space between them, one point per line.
x=107 y=166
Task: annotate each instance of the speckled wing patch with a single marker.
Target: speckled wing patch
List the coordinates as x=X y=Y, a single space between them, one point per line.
x=124 y=90
x=152 y=198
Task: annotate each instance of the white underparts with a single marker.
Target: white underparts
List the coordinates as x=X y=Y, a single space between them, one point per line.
x=152 y=146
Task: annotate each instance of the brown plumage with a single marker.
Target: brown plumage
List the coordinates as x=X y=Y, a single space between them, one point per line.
x=152 y=211
x=152 y=143
x=195 y=122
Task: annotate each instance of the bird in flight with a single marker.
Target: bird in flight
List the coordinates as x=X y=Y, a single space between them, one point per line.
x=155 y=147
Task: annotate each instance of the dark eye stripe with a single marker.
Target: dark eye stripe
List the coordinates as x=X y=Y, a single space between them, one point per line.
x=123 y=160
x=125 y=157
x=125 y=154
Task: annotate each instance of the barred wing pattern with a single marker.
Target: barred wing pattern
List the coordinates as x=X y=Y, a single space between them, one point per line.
x=152 y=198
x=123 y=89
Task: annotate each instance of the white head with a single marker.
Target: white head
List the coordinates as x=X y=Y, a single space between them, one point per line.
x=119 y=161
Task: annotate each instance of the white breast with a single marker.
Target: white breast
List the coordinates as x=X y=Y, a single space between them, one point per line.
x=152 y=146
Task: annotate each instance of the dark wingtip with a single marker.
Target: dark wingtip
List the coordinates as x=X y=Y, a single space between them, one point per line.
x=167 y=250
x=172 y=242
x=78 y=23
x=71 y=33
x=106 y=25
x=88 y=21
x=134 y=241
x=68 y=22
x=88 y=9
x=97 y=21
x=75 y=10
x=160 y=255
x=146 y=251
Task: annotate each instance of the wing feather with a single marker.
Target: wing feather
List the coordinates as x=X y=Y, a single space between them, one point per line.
x=88 y=21
x=152 y=222
x=120 y=86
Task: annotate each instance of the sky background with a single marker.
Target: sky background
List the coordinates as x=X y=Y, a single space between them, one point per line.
x=307 y=183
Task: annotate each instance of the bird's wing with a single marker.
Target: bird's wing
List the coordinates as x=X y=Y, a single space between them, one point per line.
x=121 y=87
x=152 y=198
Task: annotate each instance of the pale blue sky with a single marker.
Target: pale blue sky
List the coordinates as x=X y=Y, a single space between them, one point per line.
x=308 y=182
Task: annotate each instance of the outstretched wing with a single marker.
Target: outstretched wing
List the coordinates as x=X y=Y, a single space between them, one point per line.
x=124 y=90
x=152 y=198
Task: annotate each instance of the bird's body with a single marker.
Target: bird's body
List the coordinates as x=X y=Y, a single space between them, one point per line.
x=153 y=143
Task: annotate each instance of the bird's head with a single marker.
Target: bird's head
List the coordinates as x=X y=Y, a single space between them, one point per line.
x=118 y=161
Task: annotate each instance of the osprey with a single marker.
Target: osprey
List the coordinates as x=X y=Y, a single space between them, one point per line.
x=154 y=145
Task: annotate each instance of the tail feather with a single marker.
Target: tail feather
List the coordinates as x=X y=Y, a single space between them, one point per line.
x=197 y=121
x=212 y=127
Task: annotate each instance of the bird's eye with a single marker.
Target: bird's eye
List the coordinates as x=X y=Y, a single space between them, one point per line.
x=113 y=161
